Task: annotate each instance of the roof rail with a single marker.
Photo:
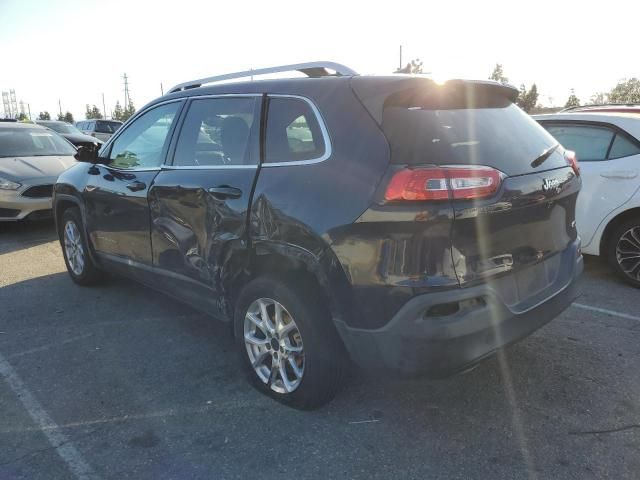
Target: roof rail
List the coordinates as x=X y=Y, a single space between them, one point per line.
x=585 y=107
x=310 y=69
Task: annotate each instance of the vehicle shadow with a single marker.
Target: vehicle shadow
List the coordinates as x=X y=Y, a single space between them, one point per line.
x=526 y=411
x=19 y=235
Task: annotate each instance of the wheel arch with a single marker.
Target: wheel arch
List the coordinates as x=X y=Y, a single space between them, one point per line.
x=293 y=264
x=614 y=223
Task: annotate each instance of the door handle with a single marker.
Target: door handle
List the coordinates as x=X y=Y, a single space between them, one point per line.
x=224 y=191
x=136 y=186
x=619 y=174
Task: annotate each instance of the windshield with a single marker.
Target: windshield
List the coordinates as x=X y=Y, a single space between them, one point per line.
x=103 y=126
x=61 y=127
x=32 y=142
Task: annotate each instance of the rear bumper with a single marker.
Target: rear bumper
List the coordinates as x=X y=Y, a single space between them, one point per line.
x=415 y=342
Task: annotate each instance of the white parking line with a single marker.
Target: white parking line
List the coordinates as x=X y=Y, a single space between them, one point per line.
x=58 y=440
x=606 y=311
x=48 y=346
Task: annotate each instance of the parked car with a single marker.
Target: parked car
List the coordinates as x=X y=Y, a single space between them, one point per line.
x=100 y=129
x=71 y=133
x=608 y=210
x=378 y=218
x=31 y=158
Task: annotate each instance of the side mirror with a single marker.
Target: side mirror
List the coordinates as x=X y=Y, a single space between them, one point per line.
x=86 y=154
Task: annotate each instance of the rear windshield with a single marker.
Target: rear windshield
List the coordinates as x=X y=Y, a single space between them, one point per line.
x=103 y=126
x=32 y=142
x=495 y=133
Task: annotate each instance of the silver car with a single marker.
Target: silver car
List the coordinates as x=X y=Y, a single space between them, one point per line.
x=100 y=129
x=31 y=158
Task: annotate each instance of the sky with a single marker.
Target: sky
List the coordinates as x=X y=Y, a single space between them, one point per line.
x=76 y=50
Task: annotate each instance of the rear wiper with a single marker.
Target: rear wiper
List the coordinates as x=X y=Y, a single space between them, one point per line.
x=546 y=154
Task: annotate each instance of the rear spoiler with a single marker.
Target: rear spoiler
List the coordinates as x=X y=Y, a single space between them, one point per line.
x=376 y=93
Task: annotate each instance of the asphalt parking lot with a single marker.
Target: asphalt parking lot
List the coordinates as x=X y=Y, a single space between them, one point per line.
x=121 y=382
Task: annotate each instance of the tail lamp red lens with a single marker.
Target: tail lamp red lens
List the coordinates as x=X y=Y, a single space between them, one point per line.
x=572 y=160
x=442 y=183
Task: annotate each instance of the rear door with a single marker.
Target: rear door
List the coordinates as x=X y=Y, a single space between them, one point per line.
x=199 y=202
x=117 y=198
x=610 y=162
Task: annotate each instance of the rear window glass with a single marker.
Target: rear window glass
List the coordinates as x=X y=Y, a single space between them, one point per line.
x=623 y=147
x=293 y=131
x=590 y=143
x=36 y=142
x=497 y=134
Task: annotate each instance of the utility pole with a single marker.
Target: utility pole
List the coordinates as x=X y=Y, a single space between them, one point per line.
x=400 y=64
x=104 y=107
x=127 y=98
x=29 y=109
x=161 y=89
x=60 y=107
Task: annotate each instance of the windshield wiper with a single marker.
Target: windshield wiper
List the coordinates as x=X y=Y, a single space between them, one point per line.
x=546 y=154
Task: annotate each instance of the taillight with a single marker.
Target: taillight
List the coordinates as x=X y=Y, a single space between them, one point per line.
x=442 y=183
x=572 y=161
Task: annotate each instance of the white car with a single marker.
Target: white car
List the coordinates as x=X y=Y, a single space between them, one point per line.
x=608 y=210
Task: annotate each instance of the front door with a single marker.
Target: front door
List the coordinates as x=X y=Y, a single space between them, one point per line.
x=199 y=203
x=119 y=221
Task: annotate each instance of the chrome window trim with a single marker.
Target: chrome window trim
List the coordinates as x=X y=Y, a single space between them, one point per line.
x=124 y=170
x=328 y=149
x=207 y=167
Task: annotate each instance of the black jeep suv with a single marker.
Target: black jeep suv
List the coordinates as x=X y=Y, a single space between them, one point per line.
x=412 y=226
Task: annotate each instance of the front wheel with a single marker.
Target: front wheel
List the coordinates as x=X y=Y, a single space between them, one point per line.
x=75 y=250
x=624 y=251
x=288 y=344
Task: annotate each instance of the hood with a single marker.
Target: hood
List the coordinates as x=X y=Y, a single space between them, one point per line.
x=18 y=169
x=77 y=138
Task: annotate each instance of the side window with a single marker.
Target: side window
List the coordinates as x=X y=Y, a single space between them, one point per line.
x=293 y=132
x=590 y=143
x=217 y=132
x=142 y=144
x=623 y=147
x=91 y=126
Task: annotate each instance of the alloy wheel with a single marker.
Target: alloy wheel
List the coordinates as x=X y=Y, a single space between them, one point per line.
x=628 y=252
x=73 y=247
x=274 y=345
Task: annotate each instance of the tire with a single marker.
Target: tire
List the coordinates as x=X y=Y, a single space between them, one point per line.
x=75 y=250
x=622 y=247
x=305 y=325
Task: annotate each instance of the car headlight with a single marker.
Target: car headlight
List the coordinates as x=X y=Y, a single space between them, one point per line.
x=8 y=184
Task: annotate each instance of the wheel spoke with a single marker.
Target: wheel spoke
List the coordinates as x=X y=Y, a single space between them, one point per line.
x=251 y=338
x=257 y=322
x=278 y=323
x=630 y=270
x=294 y=366
x=630 y=238
x=289 y=347
x=264 y=313
x=260 y=360
x=288 y=386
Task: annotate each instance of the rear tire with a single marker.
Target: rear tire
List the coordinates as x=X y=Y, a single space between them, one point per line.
x=623 y=251
x=75 y=249
x=296 y=355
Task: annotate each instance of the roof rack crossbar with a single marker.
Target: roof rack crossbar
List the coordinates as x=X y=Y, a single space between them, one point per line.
x=311 y=69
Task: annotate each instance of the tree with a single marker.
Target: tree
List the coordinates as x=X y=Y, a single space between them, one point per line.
x=572 y=101
x=414 y=66
x=93 y=112
x=44 y=116
x=599 y=98
x=68 y=117
x=22 y=117
x=61 y=117
x=129 y=111
x=498 y=74
x=626 y=91
x=117 y=112
x=527 y=99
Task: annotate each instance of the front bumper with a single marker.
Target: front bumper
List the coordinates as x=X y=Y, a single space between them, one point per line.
x=14 y=207
x=415 y=342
